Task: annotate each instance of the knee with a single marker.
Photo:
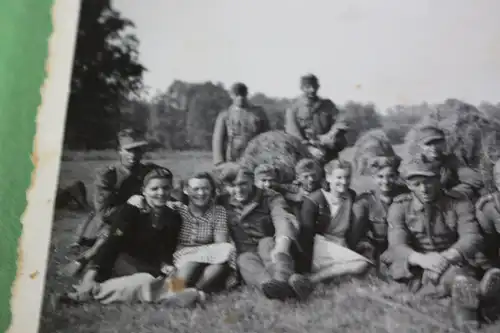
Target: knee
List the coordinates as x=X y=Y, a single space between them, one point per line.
x=227 y=248
x=266 y=244
x=359 y=267
x=244 y=259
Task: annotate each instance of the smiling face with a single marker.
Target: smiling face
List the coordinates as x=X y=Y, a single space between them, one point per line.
x=199 y=192
x=242 y=189
x=385 y=179
x=157 y=191
x=425 y=188
x=339 y=180
x=265 y=182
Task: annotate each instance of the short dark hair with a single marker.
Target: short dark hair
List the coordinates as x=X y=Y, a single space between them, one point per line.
x=239 y=89
x=309 y=79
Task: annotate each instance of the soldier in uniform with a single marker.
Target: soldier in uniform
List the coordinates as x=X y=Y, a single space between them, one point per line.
x=235 y=127
x=431 y=140
x=113 y=187
x=315 y=121
x=264 y=231
x=488 y=215
x=433 y=239
x=370 y=208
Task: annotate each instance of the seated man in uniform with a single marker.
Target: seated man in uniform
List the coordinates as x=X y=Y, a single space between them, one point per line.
x=263 y=230
x=326 y=221
x=433 y=239
x=113 y=187
x=315 y=121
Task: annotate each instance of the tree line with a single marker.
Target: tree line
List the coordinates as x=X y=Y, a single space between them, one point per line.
x=107 y=94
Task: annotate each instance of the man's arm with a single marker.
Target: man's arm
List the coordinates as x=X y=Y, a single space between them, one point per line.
x=308 y=217
x=291 y=125
x=221 y=231
x=360 y=222
x=105 y=194
x=469 y=233
x=219 y=139
x=110 y=250
x=398 y=236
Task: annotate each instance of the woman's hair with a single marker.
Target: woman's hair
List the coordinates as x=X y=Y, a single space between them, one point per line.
x=203 y=175
x=157 y=173
x=337 y=164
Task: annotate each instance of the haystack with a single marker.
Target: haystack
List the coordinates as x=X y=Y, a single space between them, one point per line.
x=277 y=148
x=471 y=135
x=370 y=145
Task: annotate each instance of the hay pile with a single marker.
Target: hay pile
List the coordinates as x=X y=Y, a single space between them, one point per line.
x=277 y=148
x=371 y=144
x=471 y=135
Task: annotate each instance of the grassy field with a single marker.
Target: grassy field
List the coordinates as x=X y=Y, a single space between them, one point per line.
x=342 y=306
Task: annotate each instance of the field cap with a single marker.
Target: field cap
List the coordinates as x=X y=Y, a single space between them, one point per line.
x=428 y=133
x=130 y=138
x=419 y=166
x=234 y=174
x=263 y=170
x=309 y=79
x=308 y=165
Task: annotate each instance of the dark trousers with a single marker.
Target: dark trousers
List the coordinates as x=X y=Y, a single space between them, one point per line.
x=256 y=267
x=126 y=265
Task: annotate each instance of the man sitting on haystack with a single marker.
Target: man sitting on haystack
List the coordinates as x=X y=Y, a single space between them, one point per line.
x=316 y=122
x=429 y=138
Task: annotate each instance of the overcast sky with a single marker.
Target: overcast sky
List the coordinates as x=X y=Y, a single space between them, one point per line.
x=384 y=51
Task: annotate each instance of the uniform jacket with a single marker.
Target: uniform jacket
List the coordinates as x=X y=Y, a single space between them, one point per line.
x=266 y=215
x=488 y=215
x=234 y=128
x=452 y=225
x=370 y=217
x=115 y=185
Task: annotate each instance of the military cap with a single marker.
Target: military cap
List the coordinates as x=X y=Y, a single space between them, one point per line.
x=309 y=79
x=419 y=166
x=265 y=170
x=235 y=173
x=157 y=173
x=239 y=89
x=428 y=133
x=130 y=138
x=307 y=165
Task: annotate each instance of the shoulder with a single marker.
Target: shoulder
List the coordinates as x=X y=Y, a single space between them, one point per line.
x=326 y=102
x=486 y=201
x=219 y=210
x=403 y=199
x=365 y=197
x=106 y=173
x=315 y=197
x=222 y=115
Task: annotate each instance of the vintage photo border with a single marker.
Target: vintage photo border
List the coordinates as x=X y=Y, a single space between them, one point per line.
x=27 y=290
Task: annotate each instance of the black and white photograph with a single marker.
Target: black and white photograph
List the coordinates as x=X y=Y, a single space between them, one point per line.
x=279 y=166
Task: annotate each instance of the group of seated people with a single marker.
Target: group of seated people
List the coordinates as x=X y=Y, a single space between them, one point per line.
x=284 y=239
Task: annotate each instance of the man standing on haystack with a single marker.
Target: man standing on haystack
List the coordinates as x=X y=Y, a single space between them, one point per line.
x=235 y=127
x=316 y=122
x=433 y=240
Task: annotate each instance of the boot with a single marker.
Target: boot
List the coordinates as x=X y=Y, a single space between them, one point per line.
x=301 y=286
x=489 y=292
x=465 y=304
